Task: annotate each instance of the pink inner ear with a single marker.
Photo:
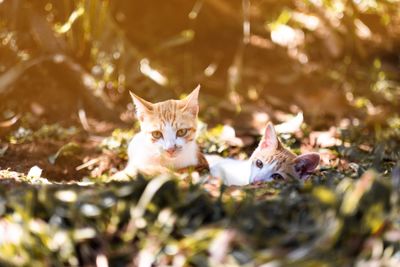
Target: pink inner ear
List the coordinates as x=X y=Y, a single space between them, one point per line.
x=306 y=164
x=270 y=140
x=265 y=144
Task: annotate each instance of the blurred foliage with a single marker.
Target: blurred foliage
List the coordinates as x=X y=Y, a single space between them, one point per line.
x=46 y=131
x=118 y=142
x=166 y=222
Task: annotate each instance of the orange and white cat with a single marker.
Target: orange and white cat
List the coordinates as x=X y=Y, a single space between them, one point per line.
x=166 y=138
x=270 y=161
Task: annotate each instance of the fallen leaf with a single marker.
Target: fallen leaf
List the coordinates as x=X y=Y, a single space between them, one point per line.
x=34 y=173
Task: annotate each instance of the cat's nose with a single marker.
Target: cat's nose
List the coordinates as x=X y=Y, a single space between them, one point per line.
x=171 y=150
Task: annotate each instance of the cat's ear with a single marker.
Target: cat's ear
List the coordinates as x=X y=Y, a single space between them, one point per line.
x=270 y=139
x=305 y=164
x=191 y=102
x=142 y=106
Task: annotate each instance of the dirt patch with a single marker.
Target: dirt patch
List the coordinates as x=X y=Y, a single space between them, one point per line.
x=88 y=159
x=22 y=157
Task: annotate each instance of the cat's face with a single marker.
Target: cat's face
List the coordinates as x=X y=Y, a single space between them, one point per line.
x=168 y=125
x=271 y=161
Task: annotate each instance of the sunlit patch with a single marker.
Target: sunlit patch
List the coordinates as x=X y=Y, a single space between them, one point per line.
x=153 y=74
x=10 y=233
x=72 y=18
x=210 y=70
x=362 y=30
x=285 y=35
x=195 y=10
x=58 y=58
x=259 y=120
x=48 y=7
x=182 y=38
x=309 y=21
x=66 y=195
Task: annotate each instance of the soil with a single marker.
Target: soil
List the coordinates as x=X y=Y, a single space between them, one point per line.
x=22 y=157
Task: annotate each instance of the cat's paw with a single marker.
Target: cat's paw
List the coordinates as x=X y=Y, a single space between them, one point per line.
x=121 y=176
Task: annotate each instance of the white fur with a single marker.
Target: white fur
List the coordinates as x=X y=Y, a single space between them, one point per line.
x=231 y=171
x=263 y=174
x=239 y=172
x=142 y=153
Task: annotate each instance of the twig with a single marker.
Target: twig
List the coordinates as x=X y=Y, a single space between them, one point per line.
x=10 y=122
x=87 y=164
x=83 y=119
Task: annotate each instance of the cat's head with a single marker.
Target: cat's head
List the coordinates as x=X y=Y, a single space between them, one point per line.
x=272 y=161
x=169 y=125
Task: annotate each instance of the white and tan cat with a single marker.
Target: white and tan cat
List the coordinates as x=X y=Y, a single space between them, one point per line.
x=270 y=161
x=166 y=138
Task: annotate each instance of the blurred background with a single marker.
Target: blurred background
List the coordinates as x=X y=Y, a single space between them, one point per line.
x=323 y=57
x=73 y=62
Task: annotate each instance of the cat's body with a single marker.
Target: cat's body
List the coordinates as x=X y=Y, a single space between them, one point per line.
x=270 y=161
x=167 y=136
x=230 y=171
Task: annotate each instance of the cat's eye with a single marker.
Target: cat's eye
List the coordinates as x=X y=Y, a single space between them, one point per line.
x=181 y=132
x=259 y=164
x=156 y=134
x=276 y=176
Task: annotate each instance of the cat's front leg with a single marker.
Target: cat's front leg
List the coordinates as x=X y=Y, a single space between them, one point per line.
x=120 y=176
x=127 y=173
x=124 y=175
